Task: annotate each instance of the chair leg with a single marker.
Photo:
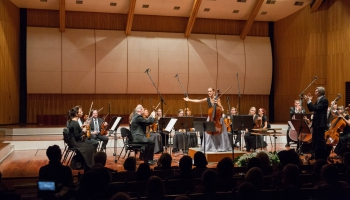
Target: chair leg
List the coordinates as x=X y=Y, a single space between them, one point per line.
x=121 y=153
x=126 y=151
x=70 y=158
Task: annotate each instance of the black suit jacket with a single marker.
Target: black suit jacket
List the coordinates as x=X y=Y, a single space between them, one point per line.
x=92 y=125
x=320 y=113
x=138 y=124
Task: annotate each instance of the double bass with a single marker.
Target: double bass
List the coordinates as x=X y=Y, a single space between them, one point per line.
x=215 y=114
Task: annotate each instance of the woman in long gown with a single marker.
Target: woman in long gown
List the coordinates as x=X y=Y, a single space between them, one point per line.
x=75 y=139
x=218 y=142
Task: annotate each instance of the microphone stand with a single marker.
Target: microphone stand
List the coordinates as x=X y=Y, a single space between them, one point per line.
x=160 y=95
x=186 y=95
x=301 y=118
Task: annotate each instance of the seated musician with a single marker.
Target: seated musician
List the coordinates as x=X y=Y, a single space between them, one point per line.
x=238 y=133
x=345 y=136
x=82 y=125
x=138 y=131
x=179 y=139
x=292 y=111
x=96 y=125
x=259 y=121
x=156 y=137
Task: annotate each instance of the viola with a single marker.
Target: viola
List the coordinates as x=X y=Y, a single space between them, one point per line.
x=332 y=135
x=103 y=128
x=87 y=126
x=258 y=122
x=215 y=114
x=147 y=127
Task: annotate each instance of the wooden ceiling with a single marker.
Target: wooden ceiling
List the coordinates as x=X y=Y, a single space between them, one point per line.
x=248 y=10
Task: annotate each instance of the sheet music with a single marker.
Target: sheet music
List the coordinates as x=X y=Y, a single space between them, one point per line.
x=116 y=122
x=170 y=125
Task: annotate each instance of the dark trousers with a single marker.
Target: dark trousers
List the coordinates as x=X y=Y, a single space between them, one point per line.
x=288 y=138
x=343 y=139
x=148 y=150
x=253 y=141
x=318 y=141
x=103 y=138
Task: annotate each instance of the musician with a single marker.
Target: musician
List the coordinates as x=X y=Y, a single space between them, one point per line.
x=259 y=121
x=138 y=131
x=345 y=136
x=75 y=138
x=82 y=124
x=95 y=128
x=218 y=142
x=156 y=137
x=319 y=122
x=330 y=113
x=180 y=139
x=233 y=112
x=292 y=111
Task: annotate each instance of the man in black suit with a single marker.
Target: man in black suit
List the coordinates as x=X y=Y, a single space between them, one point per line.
x=292 y=111
x=138 y=131
x=319 y=122
x=95 y=128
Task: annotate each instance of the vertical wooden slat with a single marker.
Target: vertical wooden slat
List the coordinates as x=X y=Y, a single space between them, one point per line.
x=62 y=11
x=9 y=62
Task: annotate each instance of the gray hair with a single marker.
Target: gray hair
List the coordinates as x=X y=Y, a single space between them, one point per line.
x=321 y=90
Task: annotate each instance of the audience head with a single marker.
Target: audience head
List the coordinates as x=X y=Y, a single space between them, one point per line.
x=346 y=161
x=254 y=162
x=329 y=174
x=185 y=164
x=255 y=177
x=246 y=191
x=288 y=157
x=121 y=196
x=143 y=172
x=318 y=165
x=200 y=161
x=224 y=168
x=93 y=183
x=209 y=181
x=165 y=161
x=101 y=158
x=264 y=158
x=130 y=164
x=54 y=153
x=155 y=188
x=290 y=175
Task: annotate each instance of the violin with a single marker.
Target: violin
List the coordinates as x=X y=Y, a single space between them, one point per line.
x=87 y=119
x=227 y=120
x=258 y=122
x=215 y=114
x=103 y=128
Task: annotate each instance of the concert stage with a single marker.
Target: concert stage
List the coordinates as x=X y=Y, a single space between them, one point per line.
x=216 y=156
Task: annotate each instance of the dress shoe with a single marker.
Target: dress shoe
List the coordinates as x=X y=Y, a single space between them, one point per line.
x=287 y=145
x=236 y=145
x=175 y=150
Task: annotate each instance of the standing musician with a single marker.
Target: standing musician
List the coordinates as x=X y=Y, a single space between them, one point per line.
x=218 y=142
x=345 y=136
x=259 y=121
x=233 y=112
x=319 y=122
x=95 y=128
x=292 y=111
x=156 y=137
x=138 y=131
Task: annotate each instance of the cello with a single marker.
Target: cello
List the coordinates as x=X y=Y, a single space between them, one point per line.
x=215 y=114
x=332 y=135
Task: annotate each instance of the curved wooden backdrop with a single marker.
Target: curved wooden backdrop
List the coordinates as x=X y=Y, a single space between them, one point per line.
x=85 y=61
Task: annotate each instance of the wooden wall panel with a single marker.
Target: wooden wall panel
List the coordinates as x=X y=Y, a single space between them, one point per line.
x=9 y=62
x=311 y=44
x=43 y=18
x=123 y=104
x=150 y=23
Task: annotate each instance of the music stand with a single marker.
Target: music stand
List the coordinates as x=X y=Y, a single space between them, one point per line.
x=184 y=123
x=162 y=124
x=303 y=128
x=199 y=119
x=241 y=122
x=204 y=126
x=301 y=116
x=113 y=126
